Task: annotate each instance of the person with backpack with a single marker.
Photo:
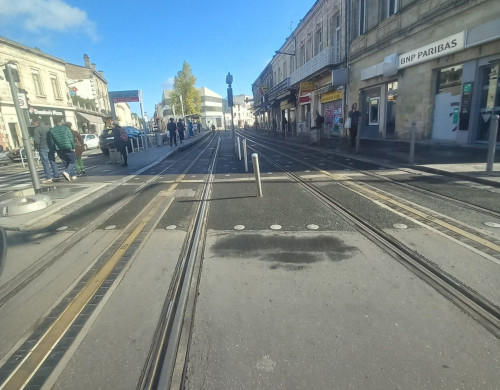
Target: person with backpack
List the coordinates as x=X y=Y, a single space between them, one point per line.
x=172 y=128
x=120 y=140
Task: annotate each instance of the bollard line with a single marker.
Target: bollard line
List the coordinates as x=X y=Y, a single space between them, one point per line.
x=245 y=154
x=256 y=168
x=492 y=143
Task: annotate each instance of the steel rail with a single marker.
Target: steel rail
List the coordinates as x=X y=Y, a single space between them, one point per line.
x=131 y=232
x=415 y=188
x=478 y=307
x=24 y=278
x=157 y=372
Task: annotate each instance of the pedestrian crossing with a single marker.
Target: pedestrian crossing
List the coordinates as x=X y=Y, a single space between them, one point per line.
x=17 y=178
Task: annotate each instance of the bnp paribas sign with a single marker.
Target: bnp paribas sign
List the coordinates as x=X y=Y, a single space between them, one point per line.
x=433 y=50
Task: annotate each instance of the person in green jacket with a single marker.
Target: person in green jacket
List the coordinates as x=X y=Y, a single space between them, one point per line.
x=64 y=144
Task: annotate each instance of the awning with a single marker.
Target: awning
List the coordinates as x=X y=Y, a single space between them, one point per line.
x=91 y=118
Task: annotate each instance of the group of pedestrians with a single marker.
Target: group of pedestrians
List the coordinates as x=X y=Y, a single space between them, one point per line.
x=174 y=128
x=67 y=143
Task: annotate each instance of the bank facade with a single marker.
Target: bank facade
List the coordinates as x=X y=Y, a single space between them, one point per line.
x=424 y=63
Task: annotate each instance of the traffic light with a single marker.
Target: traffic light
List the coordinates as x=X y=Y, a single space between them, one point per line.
x=13 y=72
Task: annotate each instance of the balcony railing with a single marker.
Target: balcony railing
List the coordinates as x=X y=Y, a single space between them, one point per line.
x=279 y=89
x=328 y=57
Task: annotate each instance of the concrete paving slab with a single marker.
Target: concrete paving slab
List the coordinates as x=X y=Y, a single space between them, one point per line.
x=360 y=322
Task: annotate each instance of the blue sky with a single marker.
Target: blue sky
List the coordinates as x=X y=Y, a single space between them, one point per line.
x=143 y=44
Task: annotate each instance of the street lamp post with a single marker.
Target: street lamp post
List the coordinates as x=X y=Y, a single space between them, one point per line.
x=24 y=130
x=229 y=81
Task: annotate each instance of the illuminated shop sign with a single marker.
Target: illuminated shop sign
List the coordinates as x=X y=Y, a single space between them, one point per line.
x=433 y=50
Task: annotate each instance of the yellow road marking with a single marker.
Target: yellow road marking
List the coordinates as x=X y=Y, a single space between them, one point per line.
x=23 y=374
x=473 y=237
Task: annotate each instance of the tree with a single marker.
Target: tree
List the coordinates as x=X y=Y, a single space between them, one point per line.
x=184 y=85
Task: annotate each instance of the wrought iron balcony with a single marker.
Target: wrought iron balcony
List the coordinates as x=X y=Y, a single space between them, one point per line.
x=327 y=57
x=279 y=89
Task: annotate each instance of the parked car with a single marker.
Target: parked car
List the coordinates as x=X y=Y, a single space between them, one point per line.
x=106 y=139
x=90 y=141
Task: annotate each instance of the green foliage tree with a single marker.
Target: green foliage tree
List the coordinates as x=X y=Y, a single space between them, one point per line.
x=184 y=85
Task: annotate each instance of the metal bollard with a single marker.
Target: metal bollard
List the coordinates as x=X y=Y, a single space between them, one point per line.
x=239 y=148
x=256 y=168
x=245 y=154
x=358 y=139
x=412 y=142
x=492 y=143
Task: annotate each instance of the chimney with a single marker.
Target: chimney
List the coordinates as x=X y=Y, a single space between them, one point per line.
x=93 y=68
x=86 y=60
x=101 y=73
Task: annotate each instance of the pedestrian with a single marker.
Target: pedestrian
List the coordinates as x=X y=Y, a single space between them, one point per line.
x=79 y=148
x=62 y=140
x=319 y=120
x=275 y=128
x=46 y=151
x=199 y=126
x=180 y=129
x=172 y=128
x=213 y=128
x=120 y=142
x=190 y=128
x=285 y=125
x=354 y=116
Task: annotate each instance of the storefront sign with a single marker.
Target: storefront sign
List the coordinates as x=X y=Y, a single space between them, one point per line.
x=331 y=96
x=45 y=111
x=436 y=49
x=465 y=107
x=308 y=86
x=305 y=99
x=285 y=105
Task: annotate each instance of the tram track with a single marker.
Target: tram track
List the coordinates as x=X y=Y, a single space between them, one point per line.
x=166 y=363
x=477 y=306
x=386 y=179
x=25 y=363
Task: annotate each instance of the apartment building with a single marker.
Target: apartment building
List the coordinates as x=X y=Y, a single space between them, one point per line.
x=308 y=73
x=211 y=108
x=428 y=62
x=89 y=93
x=43 y=78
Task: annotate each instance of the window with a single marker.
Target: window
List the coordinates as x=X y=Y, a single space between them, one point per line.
x=361 y=17
x=55 y=86
x=318 y=41
x=308 y=49
x=392 y=7
x=449 y=80
x=35 y=74
x=284 y=70
x=302 y=54
x=373 y=113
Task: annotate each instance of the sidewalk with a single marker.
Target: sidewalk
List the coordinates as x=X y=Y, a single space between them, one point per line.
x=64 y=194
x=465 y=162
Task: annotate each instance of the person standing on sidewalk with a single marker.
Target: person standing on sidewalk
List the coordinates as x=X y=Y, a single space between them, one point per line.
x=62 y=139
x=47 y=154
x=354 y=115
x=79 y=148
x=172 y=128
x=120 y=141
x=180 y=129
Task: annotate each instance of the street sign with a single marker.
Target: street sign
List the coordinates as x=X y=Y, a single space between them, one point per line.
x=22 y=100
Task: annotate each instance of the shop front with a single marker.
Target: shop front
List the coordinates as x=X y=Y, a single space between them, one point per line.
x=331 y=108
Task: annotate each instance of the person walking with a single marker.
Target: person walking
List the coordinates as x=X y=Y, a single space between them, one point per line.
x=172 y=128
x=62 y=139
x=79 y=148
x=120 y=141
x=47 y=153
x=354 y=115
x=180 y=129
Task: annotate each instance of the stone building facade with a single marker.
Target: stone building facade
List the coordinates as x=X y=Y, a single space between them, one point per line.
x=88 y=91
x=43 y=78
x=308 y=73
x=430 y=63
